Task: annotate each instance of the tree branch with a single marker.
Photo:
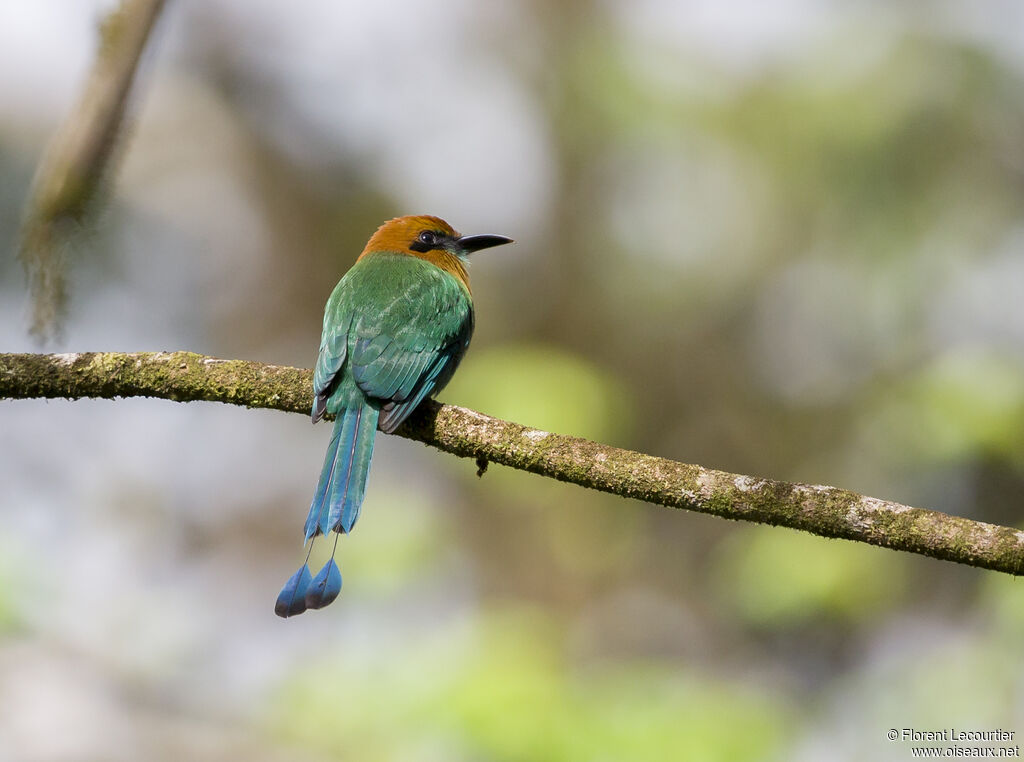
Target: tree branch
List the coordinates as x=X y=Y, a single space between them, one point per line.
x=77 y=159
x=821 y=510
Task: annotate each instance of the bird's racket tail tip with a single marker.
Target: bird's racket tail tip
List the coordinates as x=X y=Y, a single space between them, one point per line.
x=292 y=598
x=325 y=588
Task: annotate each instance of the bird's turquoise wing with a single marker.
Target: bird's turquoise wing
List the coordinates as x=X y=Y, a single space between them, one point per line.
x=405 y=373
x=333 y=350
x=406 y=353
x=397 y=327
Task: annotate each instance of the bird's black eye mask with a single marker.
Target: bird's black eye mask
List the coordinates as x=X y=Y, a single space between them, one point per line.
x=428 y=240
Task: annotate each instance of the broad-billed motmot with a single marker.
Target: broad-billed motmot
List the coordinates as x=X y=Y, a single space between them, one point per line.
x=395 y=328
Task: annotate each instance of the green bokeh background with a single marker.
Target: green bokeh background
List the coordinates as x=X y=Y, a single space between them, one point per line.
x=778 y=240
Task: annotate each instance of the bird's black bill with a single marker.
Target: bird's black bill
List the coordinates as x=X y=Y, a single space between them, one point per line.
x=471 y=243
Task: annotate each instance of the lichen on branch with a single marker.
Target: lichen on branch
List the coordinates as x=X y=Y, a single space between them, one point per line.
x=821 y=510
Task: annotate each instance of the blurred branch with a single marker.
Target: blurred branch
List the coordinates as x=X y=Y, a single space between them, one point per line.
x=77 y=159
x=821 y=510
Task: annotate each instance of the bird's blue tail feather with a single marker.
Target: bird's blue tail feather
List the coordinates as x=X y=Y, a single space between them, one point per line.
x=339 y=495
x=336 y=505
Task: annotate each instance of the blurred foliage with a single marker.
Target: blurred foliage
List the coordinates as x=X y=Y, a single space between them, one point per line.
x=15 y=587
x=779 y=579
x=789 y=247
x=503 y=690
x=546 y=388
x=1001 y=598
x=550 y=389
x=966 y=403
x=403 y=543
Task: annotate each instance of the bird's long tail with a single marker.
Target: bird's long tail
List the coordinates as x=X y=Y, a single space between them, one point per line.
x=335 y=507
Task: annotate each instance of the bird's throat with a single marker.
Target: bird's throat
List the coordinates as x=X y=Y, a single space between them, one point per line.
x=448 y=262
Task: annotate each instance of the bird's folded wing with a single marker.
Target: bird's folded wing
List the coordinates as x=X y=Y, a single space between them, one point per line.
x=333 y=349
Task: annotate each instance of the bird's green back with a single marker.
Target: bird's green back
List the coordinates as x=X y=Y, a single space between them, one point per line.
x=393 y=326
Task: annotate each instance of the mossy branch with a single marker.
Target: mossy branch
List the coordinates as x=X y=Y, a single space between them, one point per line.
x=821 y=510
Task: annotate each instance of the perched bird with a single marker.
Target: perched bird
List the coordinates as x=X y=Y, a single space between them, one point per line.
x=395 y=328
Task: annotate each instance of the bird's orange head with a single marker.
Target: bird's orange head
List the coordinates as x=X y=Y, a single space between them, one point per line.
x=431 y=238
